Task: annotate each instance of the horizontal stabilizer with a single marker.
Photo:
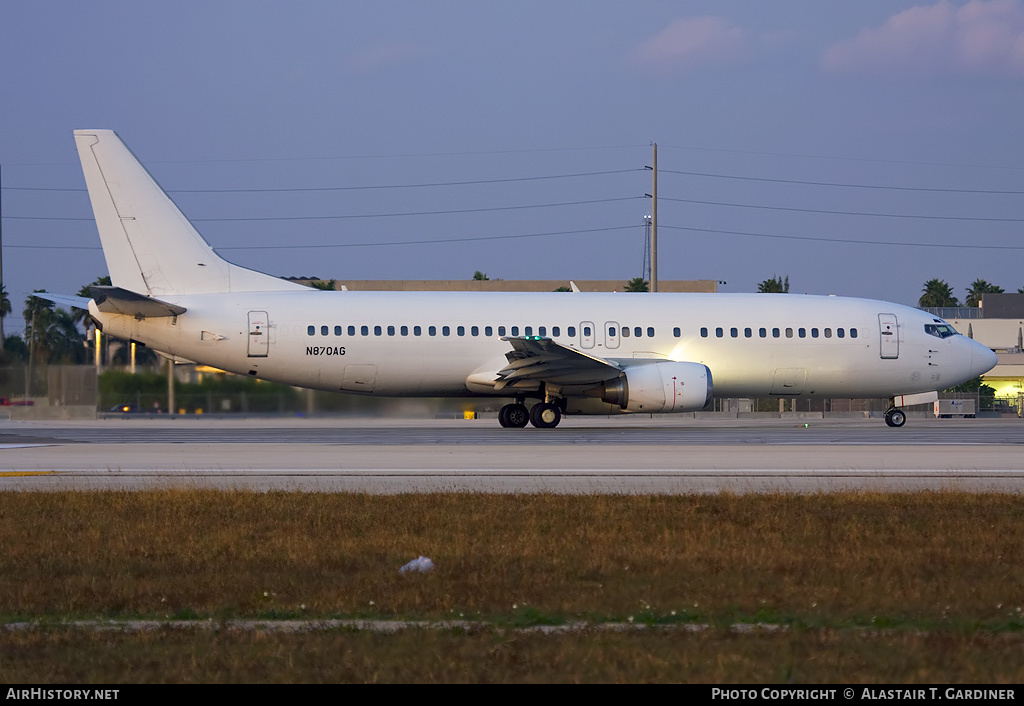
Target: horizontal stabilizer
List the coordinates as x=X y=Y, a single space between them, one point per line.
x=64 y=299
x=115 y=300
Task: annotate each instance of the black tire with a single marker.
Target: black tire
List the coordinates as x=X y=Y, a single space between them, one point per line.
x=503 y=415
x=517 y=415
x=545 y=415
x=896 y=417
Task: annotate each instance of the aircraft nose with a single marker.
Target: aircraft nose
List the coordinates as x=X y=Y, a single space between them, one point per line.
x=982 y=359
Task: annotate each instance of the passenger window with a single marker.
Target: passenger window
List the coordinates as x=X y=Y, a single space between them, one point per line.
x=488 y=331
x=364 y=330
x=337 y=330
x=586 y=331
x=801 y=332
x=475 y=330
x=775 y=333
x=638 y=332
x=625 y=332
x=515 y=330
x=828 y=333
x=501 y=330
x=446 y=331
x=556 y=331
x=762 y=332
x=734 y=332
x=650 y=332
x=703 y=332
x=311 y=330
x=676 y=332
x=323 y=330
x=611 y=331
x=432 y=331
x=748 y=332
x=840 y=333
x=460 y=330
x=542 y=331
x=789 y=333
x=391 y=330
x=405 y=330
x=377 y=331
x=719 y=332
x=351 y=330
x=814 y=333
x=528 y=330
x=571 y=332
x=417 y=331
x=853 y=333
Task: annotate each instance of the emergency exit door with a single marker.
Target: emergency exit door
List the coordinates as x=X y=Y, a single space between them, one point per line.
x=259 y=338
x=890 y=336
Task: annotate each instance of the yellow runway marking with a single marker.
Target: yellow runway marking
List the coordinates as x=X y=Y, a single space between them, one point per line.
x=12 y=474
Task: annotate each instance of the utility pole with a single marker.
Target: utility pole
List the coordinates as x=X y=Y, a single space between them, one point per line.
x=1 y=258
x=654 y=220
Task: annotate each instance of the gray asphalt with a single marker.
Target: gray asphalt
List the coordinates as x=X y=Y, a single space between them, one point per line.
x=584 y=455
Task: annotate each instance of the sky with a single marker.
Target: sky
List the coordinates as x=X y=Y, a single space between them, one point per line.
x=856 y=148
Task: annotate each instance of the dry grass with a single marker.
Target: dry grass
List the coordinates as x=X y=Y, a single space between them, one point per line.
x=495 y=656
x=943 y=571
x=828 y=559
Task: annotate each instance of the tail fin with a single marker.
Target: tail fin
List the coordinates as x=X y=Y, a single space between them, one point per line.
x=149 y=245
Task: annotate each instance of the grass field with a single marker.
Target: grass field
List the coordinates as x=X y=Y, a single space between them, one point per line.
x=869 y=587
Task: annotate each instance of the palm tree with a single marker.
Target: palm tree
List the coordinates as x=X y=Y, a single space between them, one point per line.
x=775 y=285
x=979 y=287
x=53 y=336
x=81 y=316
x=937 y=293
x=637 y=284
x=5 y=309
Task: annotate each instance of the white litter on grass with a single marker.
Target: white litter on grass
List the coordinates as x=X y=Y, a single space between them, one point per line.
x=419 y=564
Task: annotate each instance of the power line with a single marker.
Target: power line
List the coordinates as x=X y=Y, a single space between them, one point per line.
x=353 y=188
x=848 y=186
x=359 y=245
x=847 y=240
x=847 y=213
x=359 y=215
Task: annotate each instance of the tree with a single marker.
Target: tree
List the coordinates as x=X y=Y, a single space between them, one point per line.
x=637 y=284
x=81 y=316
x=480 y=276
x=5 y=309
x=51 y=334
x=979 y=287
x=775 y=285
x=327 y=286
x=937 y=293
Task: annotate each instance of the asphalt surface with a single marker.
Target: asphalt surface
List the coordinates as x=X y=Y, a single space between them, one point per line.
x=583 y=455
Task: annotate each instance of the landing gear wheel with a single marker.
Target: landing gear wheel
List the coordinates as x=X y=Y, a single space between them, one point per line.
x=895 y=417
x=545 y=415
x=513 y=415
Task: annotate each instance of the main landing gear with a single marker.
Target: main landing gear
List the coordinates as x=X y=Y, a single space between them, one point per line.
x=895 y=417
x=543 y=415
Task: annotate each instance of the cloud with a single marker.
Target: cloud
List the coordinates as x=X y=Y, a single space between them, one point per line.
x=692 y=41
x=982 y=37
x=380 y=56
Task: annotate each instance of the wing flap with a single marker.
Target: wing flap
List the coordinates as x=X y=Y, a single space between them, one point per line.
x=544 y=360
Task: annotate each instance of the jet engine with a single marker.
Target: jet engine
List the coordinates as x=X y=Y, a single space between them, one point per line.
x=659 y=387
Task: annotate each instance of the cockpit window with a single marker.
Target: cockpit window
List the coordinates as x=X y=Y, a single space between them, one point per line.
x=939 y=330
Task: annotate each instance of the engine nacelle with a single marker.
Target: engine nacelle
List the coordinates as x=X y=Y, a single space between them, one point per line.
x=660 y=387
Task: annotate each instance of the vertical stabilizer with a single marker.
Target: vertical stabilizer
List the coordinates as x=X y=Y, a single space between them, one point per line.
x=149 y=245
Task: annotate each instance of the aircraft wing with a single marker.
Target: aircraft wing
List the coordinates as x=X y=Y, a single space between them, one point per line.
x=64 y=299
x=541 y=359
x=115 y=300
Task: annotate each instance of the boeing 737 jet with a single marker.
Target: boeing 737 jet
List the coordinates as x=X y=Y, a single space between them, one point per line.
x=547 y=354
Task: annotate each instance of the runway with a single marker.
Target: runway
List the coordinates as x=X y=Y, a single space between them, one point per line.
x=583 y=455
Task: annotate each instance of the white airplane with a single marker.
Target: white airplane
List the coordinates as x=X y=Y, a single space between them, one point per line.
x=595 y=353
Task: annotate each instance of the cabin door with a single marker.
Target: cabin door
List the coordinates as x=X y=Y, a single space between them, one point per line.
x=259 y=334
x=889 y=329
x=586 y=334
